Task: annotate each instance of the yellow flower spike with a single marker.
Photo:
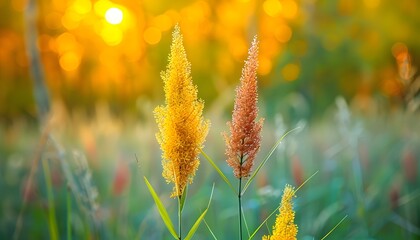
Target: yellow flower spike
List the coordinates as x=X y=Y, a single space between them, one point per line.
x=285 y=227
x=182 y=129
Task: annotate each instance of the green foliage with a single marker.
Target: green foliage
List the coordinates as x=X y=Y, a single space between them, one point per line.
x=162 y=210
x=382 y=204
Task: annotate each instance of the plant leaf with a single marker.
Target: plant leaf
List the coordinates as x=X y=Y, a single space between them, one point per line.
x=258 y=228
x=245 y=223
x=218 y=170
x=195 y=226
x=265 y=159
x=309 y=178
x=208 y=227
x=334 y=228
x=52 y=220
x=199 y=219
x=183 y=198
x=162 y=211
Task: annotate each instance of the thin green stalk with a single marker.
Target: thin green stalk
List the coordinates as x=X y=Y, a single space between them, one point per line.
x=51 y=213
x=179 y=218
x=245 y=223
x=68 y=215
x=239 y=198
x=211 y=232
x=239 y=208
x=334 y=228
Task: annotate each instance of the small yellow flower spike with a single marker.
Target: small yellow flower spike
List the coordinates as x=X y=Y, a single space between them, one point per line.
x=182 y=130
x=285 y=227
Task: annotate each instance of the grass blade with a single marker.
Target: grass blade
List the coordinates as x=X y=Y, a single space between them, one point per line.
x=309 y=178
x=195 y=226
x=218 y=170
x=208 y=227
x=245 y=223
x=258 y=228
x=199 y=219
x=334 y=228
x=183 y=198
x=266 y=159
x=162 y=211
x=52 y=221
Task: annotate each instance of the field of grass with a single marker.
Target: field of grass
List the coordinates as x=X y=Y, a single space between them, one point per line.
x=86 y=178
x=85 y=171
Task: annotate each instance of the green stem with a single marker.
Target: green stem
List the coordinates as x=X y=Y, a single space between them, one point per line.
x=240 y=207
x=239 y=198
x=179 y=217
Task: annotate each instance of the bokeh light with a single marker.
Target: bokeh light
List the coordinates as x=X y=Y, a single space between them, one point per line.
x=112 y=35
x=152 y=35
x=272 y=7
x=70 y=61
x=290 y=72
x=114 y=15
x=116 y=43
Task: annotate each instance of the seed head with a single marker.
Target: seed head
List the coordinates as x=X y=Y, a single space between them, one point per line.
x=244 y=141
x=182 y=129
x=285 y=227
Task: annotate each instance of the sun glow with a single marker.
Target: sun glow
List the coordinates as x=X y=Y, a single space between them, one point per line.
x=114 y=16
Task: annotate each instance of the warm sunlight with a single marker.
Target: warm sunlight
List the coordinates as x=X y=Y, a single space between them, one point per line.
x=114 y=15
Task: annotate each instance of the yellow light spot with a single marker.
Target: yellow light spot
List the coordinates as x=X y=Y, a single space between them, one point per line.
x=102 y=6
x=69 y=61
x=71 y=20
x=269 y=47
x=173 y=15
x=283 y=33
x=272 y=7
x=66 y=42
x=112 y=35
x=152 y=35
x=290 y=9
x=238 y=47
x=114 y=16
x=290 y=72
x=82 y=6
x=264 y=66
x=163 y=22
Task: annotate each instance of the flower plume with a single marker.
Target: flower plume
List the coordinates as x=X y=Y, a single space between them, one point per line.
x=285 y=227
x=182 y=129
x=244 y=141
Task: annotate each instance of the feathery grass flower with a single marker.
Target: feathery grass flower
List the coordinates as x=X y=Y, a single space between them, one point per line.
x=182 y=129
x=285 y=227
x=244 y=142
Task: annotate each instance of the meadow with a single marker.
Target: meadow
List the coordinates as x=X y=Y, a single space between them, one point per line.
x=98 y=141
x=367 y=169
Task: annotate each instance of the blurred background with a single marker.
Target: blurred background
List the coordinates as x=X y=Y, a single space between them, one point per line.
x=344 y=70
x=114 y=51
